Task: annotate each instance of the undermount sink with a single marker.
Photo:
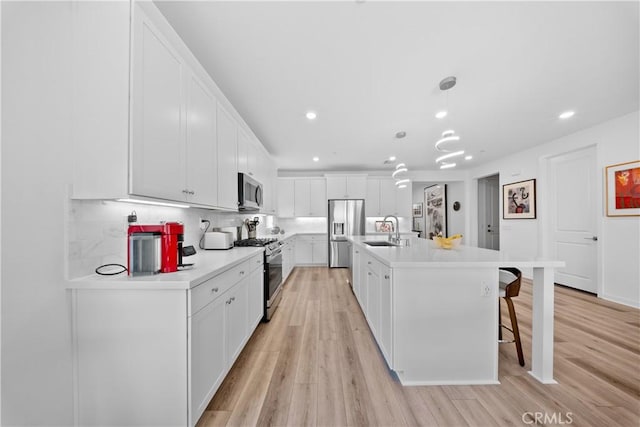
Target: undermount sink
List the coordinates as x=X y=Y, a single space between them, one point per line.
x=379 y=243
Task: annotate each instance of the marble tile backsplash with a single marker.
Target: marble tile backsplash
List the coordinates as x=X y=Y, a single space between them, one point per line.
x=97 y=229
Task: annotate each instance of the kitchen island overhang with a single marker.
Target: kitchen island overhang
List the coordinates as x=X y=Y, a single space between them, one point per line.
x=434 y=312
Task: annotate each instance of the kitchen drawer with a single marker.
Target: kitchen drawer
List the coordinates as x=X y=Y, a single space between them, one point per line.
x=209 y=290
x=372 y=264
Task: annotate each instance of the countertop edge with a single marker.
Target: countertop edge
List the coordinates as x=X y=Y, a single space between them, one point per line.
x=379 y=254
x=180 y=280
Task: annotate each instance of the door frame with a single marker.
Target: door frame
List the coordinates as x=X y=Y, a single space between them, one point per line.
x=545 y=238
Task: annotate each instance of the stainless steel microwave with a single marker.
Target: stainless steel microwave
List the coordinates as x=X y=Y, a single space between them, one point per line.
x=249 y=193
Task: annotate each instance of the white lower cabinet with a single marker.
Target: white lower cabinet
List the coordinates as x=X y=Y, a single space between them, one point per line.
x=355 y=271
x=157 y=356
x=288 y=258
x=311 y=249
x=373 y=290
x=208 y=353
x=384 y=333
x=256 y=297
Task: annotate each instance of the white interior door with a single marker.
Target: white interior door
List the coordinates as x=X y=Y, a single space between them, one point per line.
x=489 y=212
x=572 y=184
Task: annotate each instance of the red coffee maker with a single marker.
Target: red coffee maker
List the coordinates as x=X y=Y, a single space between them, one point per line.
x=169 y=237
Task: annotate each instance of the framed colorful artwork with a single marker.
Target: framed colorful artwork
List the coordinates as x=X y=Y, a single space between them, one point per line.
x=417 y=210
x=623 y=189
x=435 y=201
x=519 y=200
x=384 y=227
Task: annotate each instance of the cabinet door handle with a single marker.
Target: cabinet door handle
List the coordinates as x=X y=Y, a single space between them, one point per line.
x=214 y=289
x=192 y=192
x=357 y=252
x=185 y=191
x=369 y=273
x=233 y=299
x=242 y=273
x=369 y=262
x=228 y=302
x=386 y=276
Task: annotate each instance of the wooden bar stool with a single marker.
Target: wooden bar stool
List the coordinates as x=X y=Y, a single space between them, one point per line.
x=510 y=278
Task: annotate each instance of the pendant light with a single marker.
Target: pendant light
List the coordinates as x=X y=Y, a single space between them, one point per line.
x=448 y=135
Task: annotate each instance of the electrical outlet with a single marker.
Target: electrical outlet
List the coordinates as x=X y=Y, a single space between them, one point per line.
x=203 y=225
x=485 y=290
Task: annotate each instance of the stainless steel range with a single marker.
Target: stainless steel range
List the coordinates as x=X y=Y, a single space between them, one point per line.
x=272 y=272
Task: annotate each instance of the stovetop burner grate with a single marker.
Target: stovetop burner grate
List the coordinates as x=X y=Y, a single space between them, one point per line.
x=255 y=242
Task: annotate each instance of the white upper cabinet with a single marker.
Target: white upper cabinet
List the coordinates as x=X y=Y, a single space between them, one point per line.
x=299 y=197
x=158 y=149
x=180 y=141
x=318 y=190
x=310 y=197
x=201 y=153
x=249 y=153
x=227 y=160
x=302 y=198
x=384 y=198
x=286 y=197
x=270 y=186
x=346 y=186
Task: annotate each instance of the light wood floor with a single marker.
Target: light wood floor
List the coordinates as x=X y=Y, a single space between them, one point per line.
x=316 y=363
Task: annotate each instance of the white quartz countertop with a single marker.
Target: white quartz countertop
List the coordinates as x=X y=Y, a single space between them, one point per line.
x=420 y=254
x=207 y=264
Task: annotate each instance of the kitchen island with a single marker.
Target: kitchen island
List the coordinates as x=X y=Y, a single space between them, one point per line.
x=434 y=312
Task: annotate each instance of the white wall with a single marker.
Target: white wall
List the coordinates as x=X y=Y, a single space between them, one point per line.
x=455 y=192
x=36 y=97
x=616 y=141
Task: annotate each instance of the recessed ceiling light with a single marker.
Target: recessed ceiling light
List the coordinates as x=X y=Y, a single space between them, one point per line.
x=448 y=165
x=316 y=159
x=311 y=115
x=567 y=114
x=392 y=158
x=468 y=157
x=441 y=114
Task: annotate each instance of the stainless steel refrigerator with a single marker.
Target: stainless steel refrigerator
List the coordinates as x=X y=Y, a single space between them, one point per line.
x=346 y=218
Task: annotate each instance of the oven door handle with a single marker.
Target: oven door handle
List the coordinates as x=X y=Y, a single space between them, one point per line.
x=274 y=254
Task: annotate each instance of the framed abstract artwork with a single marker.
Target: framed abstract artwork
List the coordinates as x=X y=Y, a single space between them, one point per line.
x=435 y=201
x=519 y=200
x=623 y=189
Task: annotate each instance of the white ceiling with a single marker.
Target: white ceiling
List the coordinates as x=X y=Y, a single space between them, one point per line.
x=371 y=69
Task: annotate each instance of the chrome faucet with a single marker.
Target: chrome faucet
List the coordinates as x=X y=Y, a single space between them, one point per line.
x=396 y=239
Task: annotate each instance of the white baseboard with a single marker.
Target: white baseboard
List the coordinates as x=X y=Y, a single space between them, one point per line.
x=620 y=300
